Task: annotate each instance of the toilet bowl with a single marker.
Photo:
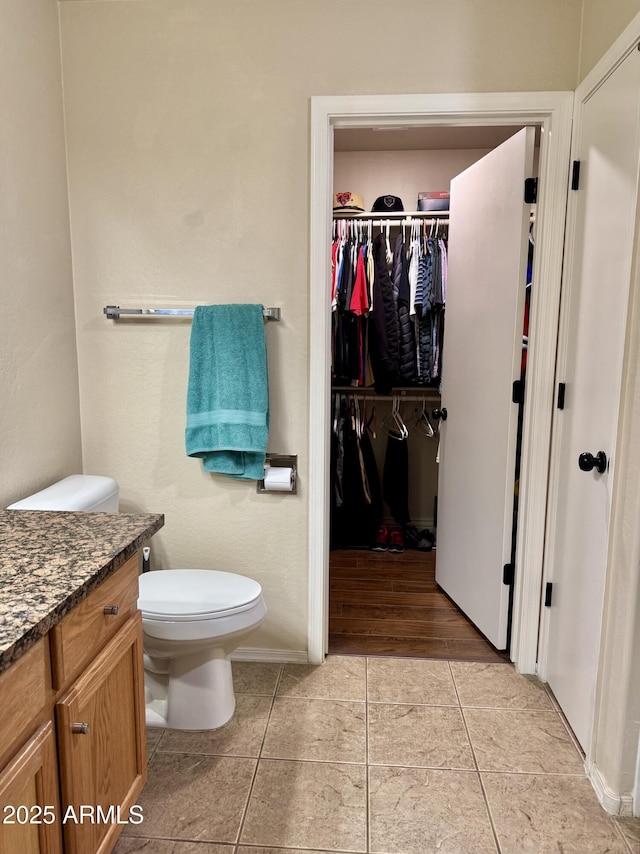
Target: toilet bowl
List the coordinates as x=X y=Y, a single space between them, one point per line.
x=192 y=620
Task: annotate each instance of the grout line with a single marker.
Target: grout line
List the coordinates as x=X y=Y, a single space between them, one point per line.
x=320 y=699
x=455 y=688
x=252 y=846
x=565 y=724
x=475 y=762
x=278 y=680
x=255 y=770
x=625 y=840
x=151 y=753
x=179 y=839
x=458 y=705
x=366 y=756
x=472 y=708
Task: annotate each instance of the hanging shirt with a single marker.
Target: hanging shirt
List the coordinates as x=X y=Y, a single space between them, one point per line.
x=359 y=298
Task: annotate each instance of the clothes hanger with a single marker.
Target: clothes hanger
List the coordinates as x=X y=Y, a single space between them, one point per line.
x=336 y=413
x=393 y=423
x=422 y=422
x=363 y=416
x=402 y=427
x=372 y=423
x=390 y=423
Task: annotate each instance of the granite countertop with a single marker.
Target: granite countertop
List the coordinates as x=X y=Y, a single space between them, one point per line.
x=50 y=561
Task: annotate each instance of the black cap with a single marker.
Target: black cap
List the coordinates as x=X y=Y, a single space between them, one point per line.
x=388 y=204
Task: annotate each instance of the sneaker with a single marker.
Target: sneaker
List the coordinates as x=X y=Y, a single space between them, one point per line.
x=396 y=541
x=381 y=543
x=425 y=541
x=411 y=536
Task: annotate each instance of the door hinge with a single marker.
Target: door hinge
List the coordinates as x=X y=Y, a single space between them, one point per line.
x=548 y=594
x=507 y=573
x=562 y=387
x=530 y=191
x=575 y=175
x=517 y=391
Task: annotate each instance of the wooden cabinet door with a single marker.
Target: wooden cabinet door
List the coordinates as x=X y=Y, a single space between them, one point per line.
x=30 y=821
x=103 y=768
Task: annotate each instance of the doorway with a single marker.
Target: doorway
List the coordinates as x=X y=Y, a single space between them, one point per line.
x=551 y=111
x=403 y=460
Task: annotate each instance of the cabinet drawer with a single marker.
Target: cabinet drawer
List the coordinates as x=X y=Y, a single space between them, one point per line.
x=82 y=634
x=25 y=689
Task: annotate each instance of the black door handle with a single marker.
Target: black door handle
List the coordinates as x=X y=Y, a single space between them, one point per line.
x=439 y=413
x=587 y=461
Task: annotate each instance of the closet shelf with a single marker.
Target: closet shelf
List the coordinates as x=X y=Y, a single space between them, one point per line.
x=395 y=215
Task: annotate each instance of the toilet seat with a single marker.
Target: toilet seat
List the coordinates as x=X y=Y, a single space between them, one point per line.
x=185 y=595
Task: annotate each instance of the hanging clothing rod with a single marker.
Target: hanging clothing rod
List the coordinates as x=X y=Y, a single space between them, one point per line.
x=370 y=394
x=114 y=312
x=405 y=220
x=441 y=217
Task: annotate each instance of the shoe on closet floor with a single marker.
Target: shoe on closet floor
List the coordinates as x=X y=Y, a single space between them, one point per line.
x=381 y=542
x=411 y=536
x=396 y=541
x=425 y=541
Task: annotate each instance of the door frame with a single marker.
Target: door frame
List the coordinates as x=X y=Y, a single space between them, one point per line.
x=553 y=112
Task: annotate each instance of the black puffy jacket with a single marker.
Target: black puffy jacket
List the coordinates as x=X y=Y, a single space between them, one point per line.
x=384 y=339
x=407 y=370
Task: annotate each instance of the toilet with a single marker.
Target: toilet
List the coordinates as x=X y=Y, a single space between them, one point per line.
x=192 y=620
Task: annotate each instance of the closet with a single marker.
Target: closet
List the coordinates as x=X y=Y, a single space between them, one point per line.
x=374 y=415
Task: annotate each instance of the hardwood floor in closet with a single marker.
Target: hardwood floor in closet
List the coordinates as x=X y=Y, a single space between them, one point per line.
x=382 y=603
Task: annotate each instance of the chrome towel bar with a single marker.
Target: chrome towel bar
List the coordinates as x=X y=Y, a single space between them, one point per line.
x=114 y=312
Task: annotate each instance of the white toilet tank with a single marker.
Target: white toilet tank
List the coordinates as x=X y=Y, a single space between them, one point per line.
x=79 y=492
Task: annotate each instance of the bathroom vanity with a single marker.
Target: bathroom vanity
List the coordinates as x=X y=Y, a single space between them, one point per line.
x=72 y=714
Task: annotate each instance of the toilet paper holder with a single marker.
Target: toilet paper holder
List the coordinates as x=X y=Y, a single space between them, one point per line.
x=289 y=461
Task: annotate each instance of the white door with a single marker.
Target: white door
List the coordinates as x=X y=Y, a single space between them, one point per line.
x=593 y=317
x=487 y=261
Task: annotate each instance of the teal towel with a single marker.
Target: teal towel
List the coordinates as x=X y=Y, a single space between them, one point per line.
x=228 y=392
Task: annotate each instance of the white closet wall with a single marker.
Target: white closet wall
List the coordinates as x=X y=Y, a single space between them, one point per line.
x=399 y=173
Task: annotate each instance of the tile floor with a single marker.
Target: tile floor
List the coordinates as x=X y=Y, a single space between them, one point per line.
x=376 y=754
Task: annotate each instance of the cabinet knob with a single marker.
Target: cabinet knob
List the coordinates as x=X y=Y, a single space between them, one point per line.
x=79 y=728
x=111 y=609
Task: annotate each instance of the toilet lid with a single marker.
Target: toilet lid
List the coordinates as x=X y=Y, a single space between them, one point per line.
x=195 y=594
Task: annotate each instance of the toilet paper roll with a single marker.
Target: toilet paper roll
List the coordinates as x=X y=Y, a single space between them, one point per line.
x=278 y=479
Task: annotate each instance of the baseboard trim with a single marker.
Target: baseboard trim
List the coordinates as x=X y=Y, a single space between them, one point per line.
x=612 y=802
x=277 y=656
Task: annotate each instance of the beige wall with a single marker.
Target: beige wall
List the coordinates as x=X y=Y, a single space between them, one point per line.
x=39 y=411
x=188 y=140
x=603 y=21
